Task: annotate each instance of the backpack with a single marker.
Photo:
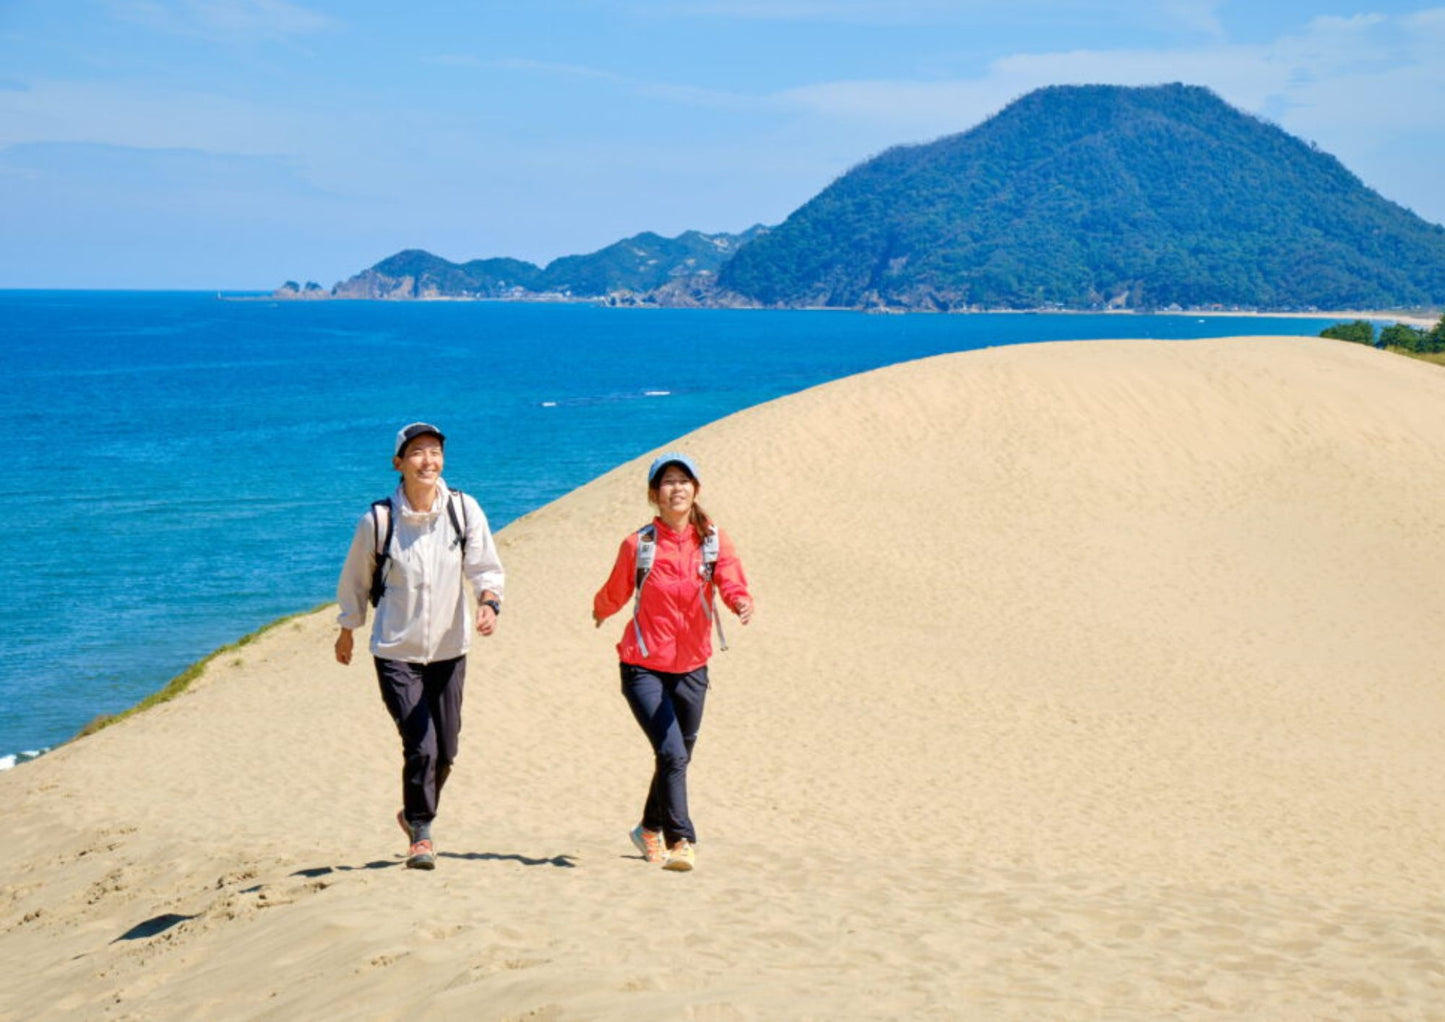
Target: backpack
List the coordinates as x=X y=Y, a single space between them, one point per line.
x=382 y=546
x=647 y=552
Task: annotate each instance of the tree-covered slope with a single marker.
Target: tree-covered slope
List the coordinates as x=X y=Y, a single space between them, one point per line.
x=640 y=263
x=1085 y=196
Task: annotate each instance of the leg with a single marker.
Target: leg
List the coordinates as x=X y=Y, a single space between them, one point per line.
x=652 y=697
x=404 y=692
x=650 y=708
x=689 y=694
x=444 y=682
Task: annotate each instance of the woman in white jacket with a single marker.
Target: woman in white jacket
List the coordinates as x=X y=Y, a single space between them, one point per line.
x=426 y=539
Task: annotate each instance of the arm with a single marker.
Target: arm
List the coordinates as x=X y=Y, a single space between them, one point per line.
x=483 y=566
x=354 y=586
x=732 y=584
x=617 y=590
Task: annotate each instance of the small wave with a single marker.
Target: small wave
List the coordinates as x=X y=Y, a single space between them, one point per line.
x=16 y=758
x=590 y=400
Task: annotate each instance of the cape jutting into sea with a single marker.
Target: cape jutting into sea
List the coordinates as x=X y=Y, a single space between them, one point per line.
x=191 y=468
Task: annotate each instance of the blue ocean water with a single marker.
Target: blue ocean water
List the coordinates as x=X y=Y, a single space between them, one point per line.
x=188 y=468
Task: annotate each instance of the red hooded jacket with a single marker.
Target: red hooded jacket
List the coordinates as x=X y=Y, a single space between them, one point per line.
x=673 y=612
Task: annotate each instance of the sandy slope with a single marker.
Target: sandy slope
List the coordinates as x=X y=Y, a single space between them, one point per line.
x=1095 y=680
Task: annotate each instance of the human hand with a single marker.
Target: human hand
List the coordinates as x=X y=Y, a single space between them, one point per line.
x=486 y=619
x=744 y=610
x=343 y=646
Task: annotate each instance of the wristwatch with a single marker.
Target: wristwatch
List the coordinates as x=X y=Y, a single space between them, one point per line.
x=495 y=605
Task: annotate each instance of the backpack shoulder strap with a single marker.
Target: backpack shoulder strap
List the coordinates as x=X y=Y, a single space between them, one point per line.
x=646 y=552
x=711 y=544
x=381 y=545
x=460 y=524
x=710 y=547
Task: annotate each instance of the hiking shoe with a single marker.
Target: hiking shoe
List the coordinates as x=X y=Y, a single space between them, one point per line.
x=680 y=857
x=648 y=842
x=421 y=856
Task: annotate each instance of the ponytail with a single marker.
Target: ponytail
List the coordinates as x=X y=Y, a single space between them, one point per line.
x=701 y=522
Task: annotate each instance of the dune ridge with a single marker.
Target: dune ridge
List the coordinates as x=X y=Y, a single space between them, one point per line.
x=1093 y=679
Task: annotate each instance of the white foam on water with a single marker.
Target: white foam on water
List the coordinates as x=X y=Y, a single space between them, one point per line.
x=24 y=756
x=657 y=393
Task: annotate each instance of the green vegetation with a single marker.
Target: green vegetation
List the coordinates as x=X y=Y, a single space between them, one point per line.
x=182 y=681
x=640 y=263
x=1360 y=331
x=1100 y=196
x=1400 y=337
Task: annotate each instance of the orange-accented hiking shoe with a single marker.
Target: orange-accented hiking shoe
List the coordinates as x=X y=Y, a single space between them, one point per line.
x=421 y=855
x=648 y=842
x=681 y=857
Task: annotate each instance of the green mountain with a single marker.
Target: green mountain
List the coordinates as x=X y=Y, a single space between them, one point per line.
x=642 y=263
x=1095 y=196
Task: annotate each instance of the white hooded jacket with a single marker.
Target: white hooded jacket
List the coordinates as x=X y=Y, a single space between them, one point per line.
x=423 y=615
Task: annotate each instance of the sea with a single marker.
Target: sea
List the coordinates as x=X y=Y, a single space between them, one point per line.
x=189 y=466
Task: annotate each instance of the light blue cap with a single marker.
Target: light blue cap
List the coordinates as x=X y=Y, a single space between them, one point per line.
x=671 y=458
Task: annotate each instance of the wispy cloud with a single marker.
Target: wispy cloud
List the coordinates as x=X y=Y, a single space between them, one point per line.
x=1374 y=53
x=543 y=67
x=687 y=95
x=1188 y=16
x=225 y=20
x=453 y=60
x=175 y=175
x=834 y=11
x=1195 y=15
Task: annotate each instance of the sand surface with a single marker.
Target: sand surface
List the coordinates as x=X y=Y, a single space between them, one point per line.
x=1091 y=680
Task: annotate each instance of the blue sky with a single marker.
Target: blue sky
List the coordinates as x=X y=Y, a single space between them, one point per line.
x=237 y=143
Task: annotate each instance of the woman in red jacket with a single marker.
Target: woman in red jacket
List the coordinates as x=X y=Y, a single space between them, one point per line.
x=673 y=570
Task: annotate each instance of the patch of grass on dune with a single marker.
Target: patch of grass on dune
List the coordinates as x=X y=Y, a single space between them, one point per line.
x=182 y=681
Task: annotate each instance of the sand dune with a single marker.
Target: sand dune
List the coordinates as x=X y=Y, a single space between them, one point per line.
x=1093 y=680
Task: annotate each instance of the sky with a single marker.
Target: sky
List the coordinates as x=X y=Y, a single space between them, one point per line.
x=235 y=144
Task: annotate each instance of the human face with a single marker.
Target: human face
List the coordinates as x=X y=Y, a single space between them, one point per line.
x=421 y=461
x=675 y=491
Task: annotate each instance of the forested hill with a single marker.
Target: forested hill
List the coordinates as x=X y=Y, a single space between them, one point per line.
x=644 y=262
x=1091 y=196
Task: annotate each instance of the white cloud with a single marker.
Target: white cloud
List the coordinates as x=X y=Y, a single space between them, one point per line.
x=1186 y=16
x=831 y=11
x=147 y=118
x=453 y=60
x=908 y=110
x=1360 y=87
x=1195 y=15
x=688 y=95
x=225 y=20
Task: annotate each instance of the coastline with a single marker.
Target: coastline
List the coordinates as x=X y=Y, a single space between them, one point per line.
x=1145 y=751
x=1413 y=317
x=99 y=672
x=11 y=758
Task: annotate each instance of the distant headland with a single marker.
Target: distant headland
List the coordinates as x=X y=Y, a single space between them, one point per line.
x=1075 y=198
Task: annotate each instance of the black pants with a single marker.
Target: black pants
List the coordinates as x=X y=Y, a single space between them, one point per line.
x=425 y=701
x=669 y=709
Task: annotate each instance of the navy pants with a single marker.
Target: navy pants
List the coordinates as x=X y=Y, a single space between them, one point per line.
x=668 y=707
x=425 y=701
